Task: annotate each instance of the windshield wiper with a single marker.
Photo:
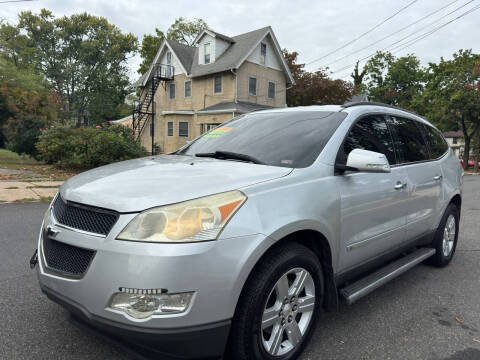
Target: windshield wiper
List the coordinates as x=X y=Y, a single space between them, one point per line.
x=219 y=154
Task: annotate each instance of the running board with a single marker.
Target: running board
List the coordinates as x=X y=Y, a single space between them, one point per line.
x=366 y=285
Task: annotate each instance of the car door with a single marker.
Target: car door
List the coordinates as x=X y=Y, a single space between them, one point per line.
x=424 y=176
x=372 y=205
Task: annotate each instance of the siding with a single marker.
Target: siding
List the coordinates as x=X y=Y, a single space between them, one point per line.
x=271 y=60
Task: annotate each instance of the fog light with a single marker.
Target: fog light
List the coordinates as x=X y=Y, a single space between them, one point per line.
x=143 y=304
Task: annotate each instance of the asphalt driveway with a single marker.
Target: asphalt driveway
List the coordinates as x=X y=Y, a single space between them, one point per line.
x=427 y=313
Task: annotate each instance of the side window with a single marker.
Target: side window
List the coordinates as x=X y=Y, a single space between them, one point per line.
x=410 y=140
x=438 y=145
x=172 y=91
x=369 y=133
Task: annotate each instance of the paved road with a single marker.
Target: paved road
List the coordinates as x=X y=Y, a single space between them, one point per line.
x=413 y=317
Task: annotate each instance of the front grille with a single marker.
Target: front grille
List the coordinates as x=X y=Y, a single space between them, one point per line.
x=66 y=259
x=84 y=218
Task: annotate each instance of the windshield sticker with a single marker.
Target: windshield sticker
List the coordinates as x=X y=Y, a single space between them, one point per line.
x=215 y=133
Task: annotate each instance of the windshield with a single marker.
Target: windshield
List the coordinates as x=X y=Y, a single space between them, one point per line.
x=290 y=139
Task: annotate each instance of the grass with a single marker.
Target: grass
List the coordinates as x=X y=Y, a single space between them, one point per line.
x=32 y=170
x=11 y=160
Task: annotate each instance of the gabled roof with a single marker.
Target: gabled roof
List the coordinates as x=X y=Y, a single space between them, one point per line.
x=241 y=47
x=184 y=53
x=214 y=34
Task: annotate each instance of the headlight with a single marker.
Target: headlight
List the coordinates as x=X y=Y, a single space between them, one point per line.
x=190 y=221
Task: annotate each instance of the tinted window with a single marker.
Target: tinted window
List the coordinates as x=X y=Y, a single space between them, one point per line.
x=438 y=145
x=170 y=128
x=289 y=139
x=172 y=91
x=370 y=133
x=271 y=90
x=410 y=140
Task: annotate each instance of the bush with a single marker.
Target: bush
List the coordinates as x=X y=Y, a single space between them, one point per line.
x=87 y=147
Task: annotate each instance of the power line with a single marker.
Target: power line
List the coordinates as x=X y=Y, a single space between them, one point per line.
x=413 y=41
x=362 y=35
x=392 y=34
x=14 y=1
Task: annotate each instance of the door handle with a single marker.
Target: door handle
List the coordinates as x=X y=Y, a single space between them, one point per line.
x=437 y=177
x=399 y=185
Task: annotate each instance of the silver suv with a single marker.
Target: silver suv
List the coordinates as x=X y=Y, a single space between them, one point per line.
x=244 y=235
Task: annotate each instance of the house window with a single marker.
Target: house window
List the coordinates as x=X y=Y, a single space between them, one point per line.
x=263 y=53
x=169 y=64
x=271 y=90
x=206 y=53
x=252 y=86
x=183 y=129
x=208 y=127
x=170 y=128
x=217 y=88
x=188 y=89
x=172 y=91
x=454 y=141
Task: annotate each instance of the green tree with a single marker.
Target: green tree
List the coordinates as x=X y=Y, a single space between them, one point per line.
x=182 y=30
x=84 y=58
x=394 y=81
x=452 y=95
x=26 y=106
x=357 y=76
x=314 y=88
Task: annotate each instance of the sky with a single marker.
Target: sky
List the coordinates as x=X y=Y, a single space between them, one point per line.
x=315 y=29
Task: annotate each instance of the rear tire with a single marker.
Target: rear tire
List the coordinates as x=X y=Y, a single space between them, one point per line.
x=446 y=236
x=278 y=308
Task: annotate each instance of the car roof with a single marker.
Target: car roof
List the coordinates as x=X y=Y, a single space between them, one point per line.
x=357 y=108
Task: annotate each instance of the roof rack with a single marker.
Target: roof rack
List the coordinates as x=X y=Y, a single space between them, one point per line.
x=359 y=103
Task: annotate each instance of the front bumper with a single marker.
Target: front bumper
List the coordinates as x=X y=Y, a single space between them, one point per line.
x=199 y=342
x=214 y=270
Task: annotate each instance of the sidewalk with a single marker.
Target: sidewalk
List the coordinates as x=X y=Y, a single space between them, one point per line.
x=26 y=191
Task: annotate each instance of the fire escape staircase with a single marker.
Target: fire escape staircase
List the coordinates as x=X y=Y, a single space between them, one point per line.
x=144 y=110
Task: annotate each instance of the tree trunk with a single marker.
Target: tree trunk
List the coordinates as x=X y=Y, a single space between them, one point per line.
x=466 y=152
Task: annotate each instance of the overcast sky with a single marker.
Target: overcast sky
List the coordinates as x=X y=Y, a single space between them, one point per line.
x=312 y=28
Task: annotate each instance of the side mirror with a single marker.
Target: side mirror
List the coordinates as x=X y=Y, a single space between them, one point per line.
x=367 y=161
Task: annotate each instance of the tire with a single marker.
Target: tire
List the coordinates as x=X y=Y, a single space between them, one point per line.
x=283 y=266
x=445 y=241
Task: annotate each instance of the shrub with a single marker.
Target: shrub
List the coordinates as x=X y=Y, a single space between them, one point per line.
x=87 y=147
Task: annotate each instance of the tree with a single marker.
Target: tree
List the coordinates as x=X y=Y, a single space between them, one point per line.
x=26 y=106
x=314 y=88
x=452 y=95
x=182 y=30
x=393 y=81
x=357 y=77
x=84 y=58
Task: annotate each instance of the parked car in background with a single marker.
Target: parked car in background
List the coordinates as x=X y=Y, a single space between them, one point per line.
x=470 y=163
x=244 y=235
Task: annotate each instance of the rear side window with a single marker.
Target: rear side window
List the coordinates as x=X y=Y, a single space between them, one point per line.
x=369 y=133
x=410 y=141
x=438 y=145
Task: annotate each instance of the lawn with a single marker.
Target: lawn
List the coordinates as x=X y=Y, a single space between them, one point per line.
x=23 y=167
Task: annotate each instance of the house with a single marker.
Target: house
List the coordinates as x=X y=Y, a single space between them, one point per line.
x=455 y=140
x=189 y=90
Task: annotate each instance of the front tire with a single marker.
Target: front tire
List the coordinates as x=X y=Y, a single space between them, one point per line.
x=277 y=310
x=446 y=236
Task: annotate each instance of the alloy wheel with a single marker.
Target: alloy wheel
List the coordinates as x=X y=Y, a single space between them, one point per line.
x=288 y=312
x=449 y=233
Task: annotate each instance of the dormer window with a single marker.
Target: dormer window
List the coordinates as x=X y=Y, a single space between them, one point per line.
x=206 y=52
x=263 y=53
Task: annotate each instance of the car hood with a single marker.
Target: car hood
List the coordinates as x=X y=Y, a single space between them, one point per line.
x=136 y=185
